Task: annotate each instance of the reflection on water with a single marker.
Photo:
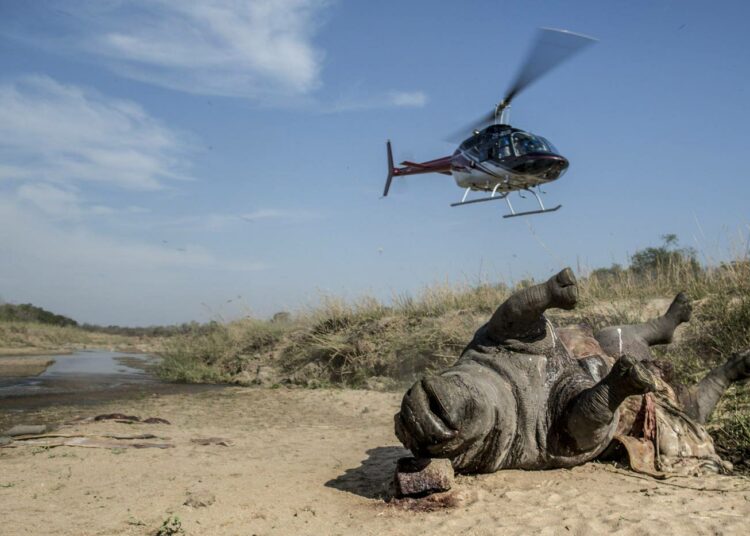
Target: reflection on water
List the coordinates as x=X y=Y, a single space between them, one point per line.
x=82 y=371
x=79 y=382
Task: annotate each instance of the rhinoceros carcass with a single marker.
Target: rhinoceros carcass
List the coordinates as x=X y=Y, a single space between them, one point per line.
x=519 y=398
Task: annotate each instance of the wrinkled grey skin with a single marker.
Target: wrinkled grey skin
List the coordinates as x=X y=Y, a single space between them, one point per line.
x=699 y=400
x=516 y=399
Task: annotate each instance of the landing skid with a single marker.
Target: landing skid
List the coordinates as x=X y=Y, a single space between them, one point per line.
x=495 y=197
x=529 y=212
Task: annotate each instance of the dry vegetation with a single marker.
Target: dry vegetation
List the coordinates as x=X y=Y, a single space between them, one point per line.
x=24 y=338
x=373 y=345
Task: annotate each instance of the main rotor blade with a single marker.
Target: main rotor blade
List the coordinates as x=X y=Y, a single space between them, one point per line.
x=551 y=48
x=457 y=136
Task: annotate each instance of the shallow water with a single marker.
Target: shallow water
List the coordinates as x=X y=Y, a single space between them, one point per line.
x=83 y=379
x=82 y=371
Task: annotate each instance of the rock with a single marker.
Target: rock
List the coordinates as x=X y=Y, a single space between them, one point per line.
x=199 y=499
x=26 y=429
x=422 y=476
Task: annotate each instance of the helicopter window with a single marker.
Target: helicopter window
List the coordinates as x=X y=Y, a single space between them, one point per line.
x=503 y=147
x=551 y=147
x=525 y=143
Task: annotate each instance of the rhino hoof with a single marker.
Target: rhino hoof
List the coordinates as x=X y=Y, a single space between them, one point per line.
x=681 y=310
x=634 y=376
x=563 y=289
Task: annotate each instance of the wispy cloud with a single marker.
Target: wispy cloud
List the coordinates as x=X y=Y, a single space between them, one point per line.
x=408 y=99
x=390 y=99
x=97 y=277
x=66 y=203
x=60 y=133
x=250 y=49
x=261 y=50
x=221 y=221
x=280 y=214
x=59 y=247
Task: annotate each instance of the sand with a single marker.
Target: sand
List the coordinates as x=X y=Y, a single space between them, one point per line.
x=12 y=367
x=319 y=462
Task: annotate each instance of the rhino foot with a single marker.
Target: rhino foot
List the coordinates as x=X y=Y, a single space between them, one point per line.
x=738 y=366
x=681 y=310
x=631 y=377
x=563 y=290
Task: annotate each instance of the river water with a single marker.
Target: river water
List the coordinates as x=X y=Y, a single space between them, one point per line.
x=84 y=379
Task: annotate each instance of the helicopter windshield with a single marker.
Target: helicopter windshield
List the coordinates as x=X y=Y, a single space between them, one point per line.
x=525 y=143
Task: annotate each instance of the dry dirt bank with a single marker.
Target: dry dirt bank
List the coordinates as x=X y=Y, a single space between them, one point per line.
x=318 y=462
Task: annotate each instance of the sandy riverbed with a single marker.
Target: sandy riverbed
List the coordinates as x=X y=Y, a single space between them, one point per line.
x=12 y=367
x=318 y=462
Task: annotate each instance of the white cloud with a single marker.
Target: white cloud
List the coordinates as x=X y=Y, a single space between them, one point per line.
x=221 y=221
x=279 y=214
x=262 y=50
x=50 y=199
x=61 y=203
x=79 y=247
x=251 y=48
x=408 y=99
x=54 y=132
x=390 y=99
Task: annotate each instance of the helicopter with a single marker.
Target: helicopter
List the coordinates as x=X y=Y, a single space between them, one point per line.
x=496 y=157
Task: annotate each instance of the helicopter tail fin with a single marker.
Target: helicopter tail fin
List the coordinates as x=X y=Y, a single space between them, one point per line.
x=390 y=169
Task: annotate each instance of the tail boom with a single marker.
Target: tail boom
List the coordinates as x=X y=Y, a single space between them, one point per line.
x=439 y=165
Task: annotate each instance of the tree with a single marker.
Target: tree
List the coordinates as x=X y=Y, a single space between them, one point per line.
x=652 y=259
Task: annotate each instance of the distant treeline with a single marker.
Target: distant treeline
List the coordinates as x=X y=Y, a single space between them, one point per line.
x=25 y=312
x=152 y=331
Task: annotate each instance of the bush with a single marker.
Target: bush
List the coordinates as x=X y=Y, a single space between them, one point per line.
x=26 y=312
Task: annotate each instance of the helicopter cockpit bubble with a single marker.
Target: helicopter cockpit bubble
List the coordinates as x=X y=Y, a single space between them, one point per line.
x=525 y=143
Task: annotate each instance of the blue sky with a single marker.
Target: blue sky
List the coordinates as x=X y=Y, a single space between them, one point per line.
x=164 y=161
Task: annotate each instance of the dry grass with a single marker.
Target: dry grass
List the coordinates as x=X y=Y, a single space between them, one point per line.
x=23 y=338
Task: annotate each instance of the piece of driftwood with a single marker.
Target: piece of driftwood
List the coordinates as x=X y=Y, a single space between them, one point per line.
x=26 y=429
x=108 y=441
x=88 y=442
x=205 y=441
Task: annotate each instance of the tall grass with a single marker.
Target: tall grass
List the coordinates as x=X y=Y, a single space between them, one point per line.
x=25 y=337
x=217 y=352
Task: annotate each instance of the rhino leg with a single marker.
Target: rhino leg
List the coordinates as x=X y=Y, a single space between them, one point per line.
x=589 y=416
x=637 y=338
x=522 y=312
x=700 y=400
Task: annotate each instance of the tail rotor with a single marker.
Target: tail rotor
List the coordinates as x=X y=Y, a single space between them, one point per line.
x=390 y=169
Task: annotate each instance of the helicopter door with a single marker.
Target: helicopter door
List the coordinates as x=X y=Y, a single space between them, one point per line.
x=500 y=147
x=503 y=147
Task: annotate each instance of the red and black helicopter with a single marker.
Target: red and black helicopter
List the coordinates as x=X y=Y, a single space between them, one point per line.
x=497 y=157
